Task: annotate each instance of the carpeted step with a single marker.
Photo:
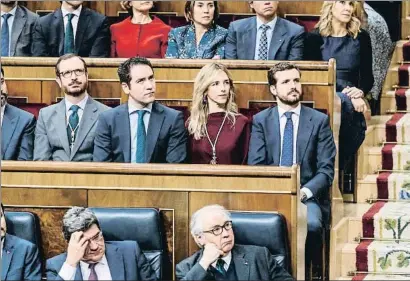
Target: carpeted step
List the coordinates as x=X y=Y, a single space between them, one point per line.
x=387 y=220
x=393 y=186
x=360 y=277
x=402 y=95
x=396 y=157
x=404 y=75
x=383 y=257
x=398 y=128
x=406 y=51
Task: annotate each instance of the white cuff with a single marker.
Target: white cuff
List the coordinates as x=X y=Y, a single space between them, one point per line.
x=307 y=191
x=67 y=272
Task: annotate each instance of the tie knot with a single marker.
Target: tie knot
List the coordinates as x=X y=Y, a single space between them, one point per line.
x=288 y=114
x=141 y=113
x=6 y=16
x=91 y=266
x=265 y=27
x=74 y=108
x=70 y=16
x=220 y=263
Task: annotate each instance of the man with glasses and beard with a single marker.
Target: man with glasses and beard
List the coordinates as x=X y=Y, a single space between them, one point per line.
x=220 y=258
x=289 y=134
x=65 y=131
x=89 y=257
x=17 y=129
x=20 y=259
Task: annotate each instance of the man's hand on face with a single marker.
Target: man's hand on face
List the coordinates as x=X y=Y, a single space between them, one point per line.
x=76 y=248
x=210 y=255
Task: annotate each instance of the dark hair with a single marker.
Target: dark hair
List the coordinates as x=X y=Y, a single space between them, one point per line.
x=2 y=207
x=189 y=9
x=124 y=70
x=67 y=57
x=2 y=71
x=281 y=66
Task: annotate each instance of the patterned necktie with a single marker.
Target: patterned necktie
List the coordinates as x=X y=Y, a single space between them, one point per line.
x=287 y=145
x=5 y=36
x=141 y=137
x=220 y=266
x=263 y=43
x=69 y=36
x=72 y=127
x=93 y=275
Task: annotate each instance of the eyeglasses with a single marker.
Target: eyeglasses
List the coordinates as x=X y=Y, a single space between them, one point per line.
x=69 y=73
x=96 y=238
x=217 y=230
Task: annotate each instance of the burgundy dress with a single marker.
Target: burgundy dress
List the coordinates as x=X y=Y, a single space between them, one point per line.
x=233 y=142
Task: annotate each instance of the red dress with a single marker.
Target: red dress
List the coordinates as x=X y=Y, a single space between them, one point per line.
x=233 y=142
x=144 y=40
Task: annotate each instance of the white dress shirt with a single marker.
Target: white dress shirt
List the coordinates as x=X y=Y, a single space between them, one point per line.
x=80 y=111
x=269 y=33
x=133 y=114
x=10 y=22
x=74 y=20
x=2 y=114
x=67 y=272
x=295 y=121
x=227 y=259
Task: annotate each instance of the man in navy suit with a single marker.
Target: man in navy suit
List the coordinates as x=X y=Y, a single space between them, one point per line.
x=20 y=259
x=265 y=36
x=17 y=129
x=291 y=133
x=141 y=130
x=89 y=257
x=72 y=29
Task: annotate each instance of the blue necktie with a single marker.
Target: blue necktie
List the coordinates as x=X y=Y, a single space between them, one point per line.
x=5 y=36
x=72 y=127
x=141 y=137
x=287 y=145
x=263 y=43
x=220 y=266
x=69 y=36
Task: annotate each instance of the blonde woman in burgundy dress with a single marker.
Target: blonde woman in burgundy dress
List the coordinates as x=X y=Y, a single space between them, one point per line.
x=218 y=134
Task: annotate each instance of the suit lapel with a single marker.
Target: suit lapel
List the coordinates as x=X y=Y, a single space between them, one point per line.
x=278 y=36
x=273 y=134
x=88 y=120
x=122 y=122
x=241 y=264
x=83 y=23
x=8 y=128
x=249 y=39
x=304 y=133
x=58 y=26
x=60 y=123
x=155 y=124
x=18 y=24
x=7 y=255
x=78 y=273
x=115 y=262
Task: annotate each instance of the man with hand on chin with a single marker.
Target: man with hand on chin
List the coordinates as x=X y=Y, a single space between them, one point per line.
x=219 y=257
x=89 y=257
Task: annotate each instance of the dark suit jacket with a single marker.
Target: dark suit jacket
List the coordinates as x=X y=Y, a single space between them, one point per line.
x=51 y=140
x=286 y=43
x=166 y=136
x=92 y=37
x=22 y=32
x=251 y=263
x=125 y=260
x=20 y=260
x=17 y=134
x=316 y=150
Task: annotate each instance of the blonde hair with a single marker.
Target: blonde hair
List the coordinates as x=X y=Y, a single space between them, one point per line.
x=199 y=109
x=325 y=23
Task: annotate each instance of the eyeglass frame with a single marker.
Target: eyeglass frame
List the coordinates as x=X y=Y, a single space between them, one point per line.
x=70 y=73
x=221 y=226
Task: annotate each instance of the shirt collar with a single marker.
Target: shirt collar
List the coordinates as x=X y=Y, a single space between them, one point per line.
x=81 y=104
x=271 y=24
x=75 y=12
x=86 y=266
x=12 y=12
x=132 y=108
x=227 y=259
x=2 y=109
x=296 y=110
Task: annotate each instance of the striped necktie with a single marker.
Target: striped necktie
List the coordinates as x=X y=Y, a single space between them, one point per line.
x=5 y=36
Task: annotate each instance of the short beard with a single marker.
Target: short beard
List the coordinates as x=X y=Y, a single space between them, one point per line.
x=76 y=93
x=290 y=102
x=9 y=3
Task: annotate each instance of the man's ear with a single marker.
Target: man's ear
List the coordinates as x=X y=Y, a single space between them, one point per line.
x=58 y=80
x=272 y=90
x=125 y=88
x=200 y=240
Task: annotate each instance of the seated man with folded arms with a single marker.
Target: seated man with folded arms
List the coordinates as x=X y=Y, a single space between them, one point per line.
x=141 y=130
x=65 y=131
x=220 y=258
x=89 y=257
x=20 y=259
x=265 y=36
x=17 y=129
